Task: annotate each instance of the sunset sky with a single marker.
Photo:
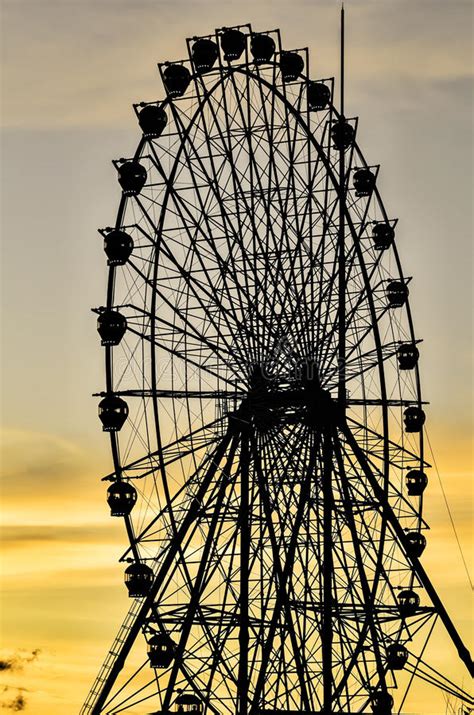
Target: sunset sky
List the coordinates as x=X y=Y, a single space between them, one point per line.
x=70 y=72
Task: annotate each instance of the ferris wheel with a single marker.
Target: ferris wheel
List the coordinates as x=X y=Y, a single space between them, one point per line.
x=263 y=404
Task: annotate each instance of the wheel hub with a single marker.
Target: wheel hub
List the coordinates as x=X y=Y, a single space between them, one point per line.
x=300 y=400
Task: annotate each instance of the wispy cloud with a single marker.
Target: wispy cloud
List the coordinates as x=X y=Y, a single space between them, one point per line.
x=93 y=59
x=18 y=660
x=47 y=466
x=12 y=697
x=18 y=704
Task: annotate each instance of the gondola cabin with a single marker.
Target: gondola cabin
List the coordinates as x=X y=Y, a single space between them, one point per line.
x=407 y=356
x=342 y=135
x=416 y=482
x=262 y=48
x=233 y=43
x=415 y=543
x=113 y=411
x=363 y=182
x=383 y=235
x=121 y=498
x=111 y=326
x=118 y=247
x=204 y=54
x=408 y=602
x=132 y=177
x=152 y=120
x=414 y=418
x=381 y=702
x=188 y=703
x=319 y=96
x=397 y=294
x=176 y=79
x=160 y=650
x=291 y=66
x=138 y=580
x=397 y=656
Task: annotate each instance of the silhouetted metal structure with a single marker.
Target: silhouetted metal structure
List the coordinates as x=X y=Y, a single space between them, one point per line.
x=263 y=404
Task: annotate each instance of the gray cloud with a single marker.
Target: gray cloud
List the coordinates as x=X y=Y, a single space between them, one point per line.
x=48 y=459
x=18 y=704
x=13 y=697
x=18 y=660
x=92 y=62
x=16 y=535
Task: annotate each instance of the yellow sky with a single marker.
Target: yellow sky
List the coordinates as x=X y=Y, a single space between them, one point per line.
x=71 y=69
x=62 y=587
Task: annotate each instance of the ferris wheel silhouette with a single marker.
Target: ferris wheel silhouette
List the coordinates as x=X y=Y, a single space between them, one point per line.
x=263 y=404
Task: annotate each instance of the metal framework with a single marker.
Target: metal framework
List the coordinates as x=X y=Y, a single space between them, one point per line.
x=265 y=435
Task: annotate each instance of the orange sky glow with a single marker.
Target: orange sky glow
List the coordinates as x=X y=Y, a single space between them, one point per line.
x=71 y=70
